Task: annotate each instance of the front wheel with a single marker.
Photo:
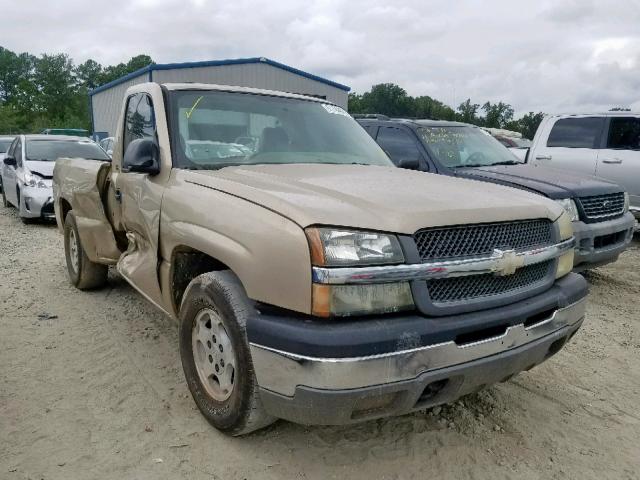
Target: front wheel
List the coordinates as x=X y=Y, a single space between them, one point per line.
x=215 y=354
x=83 y=273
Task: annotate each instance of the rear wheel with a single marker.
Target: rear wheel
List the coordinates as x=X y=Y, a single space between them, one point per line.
x=83 y=273
x=215 y=354
x=5 y=203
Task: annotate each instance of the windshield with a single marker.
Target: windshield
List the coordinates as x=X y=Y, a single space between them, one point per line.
x=218 y=129
x=51 y=150
x=466 y=147
x=5 y=143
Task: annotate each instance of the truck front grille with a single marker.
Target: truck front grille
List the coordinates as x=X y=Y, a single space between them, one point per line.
x=603 y=206
x=448 y=290
x=482 y=239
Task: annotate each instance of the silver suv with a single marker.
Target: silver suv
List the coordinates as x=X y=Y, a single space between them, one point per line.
x=606 y=145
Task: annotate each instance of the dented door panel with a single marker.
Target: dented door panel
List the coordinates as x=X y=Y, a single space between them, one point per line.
x=82 y=187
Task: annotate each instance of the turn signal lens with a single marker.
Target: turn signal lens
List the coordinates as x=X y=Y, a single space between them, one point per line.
x=346 y=300
x=565 y=264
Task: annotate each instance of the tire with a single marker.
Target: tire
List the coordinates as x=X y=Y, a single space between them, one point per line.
x=5 y=203
x=234 y=408
x=83 y=273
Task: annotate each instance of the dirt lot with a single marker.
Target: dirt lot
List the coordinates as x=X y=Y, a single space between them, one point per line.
x=91 y=387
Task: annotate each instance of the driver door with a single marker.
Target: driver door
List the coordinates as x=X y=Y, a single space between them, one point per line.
x=138 y=198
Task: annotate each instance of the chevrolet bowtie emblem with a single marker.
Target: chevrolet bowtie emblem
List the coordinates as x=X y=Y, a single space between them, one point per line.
x=507 y=262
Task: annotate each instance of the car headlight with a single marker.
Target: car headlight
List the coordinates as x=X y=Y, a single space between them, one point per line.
x=565 y=262
x=626 y=202
x=33 y=180
x=333 y=247
x=570 y=207
x=338 y=248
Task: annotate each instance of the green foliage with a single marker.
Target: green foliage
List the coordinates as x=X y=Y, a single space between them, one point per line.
x=392 y=100
x=50 y=91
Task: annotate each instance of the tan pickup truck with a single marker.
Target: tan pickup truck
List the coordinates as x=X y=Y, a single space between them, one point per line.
x=311 y=279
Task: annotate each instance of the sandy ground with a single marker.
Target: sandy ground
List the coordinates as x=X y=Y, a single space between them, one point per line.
x=91 y=387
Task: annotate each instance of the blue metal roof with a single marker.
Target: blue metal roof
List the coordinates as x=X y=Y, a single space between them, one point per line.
x=216 y=63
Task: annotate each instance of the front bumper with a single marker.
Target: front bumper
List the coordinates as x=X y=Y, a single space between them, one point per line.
x=424 y=364
x=36 y=202
x=601 y=243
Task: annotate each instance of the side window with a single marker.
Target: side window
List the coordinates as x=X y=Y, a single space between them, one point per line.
x=398 y=144
x=576 y=132
x=624 y=133
x=140 y=121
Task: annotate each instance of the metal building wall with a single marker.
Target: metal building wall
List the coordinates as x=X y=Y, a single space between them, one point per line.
x=106 y=105
x=257 y=75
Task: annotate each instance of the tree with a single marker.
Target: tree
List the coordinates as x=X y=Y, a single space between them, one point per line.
x=13 y=70
x=388 y=99
x=54 y=79
x=529 y=124
x=89 y=74
x=497 y=115
x=468 y=111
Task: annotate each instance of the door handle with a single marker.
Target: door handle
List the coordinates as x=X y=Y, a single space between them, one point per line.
x=543 y=157
x=611 y=160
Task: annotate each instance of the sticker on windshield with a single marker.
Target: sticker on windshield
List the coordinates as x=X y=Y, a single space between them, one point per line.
x=335 y=110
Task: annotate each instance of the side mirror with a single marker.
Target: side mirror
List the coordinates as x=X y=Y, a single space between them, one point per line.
x=409 y=163
x=142 y=156
x=10 y=161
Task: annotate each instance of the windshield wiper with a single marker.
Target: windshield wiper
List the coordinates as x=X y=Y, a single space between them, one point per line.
x=471 y=165
x=507 y=162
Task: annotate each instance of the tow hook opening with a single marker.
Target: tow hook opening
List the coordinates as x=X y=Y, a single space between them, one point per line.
x=539 y=318
x=476 y=336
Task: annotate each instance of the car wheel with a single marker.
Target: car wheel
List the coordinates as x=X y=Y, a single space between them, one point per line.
x=5 y=203
x=83 y=273
x=215 y=354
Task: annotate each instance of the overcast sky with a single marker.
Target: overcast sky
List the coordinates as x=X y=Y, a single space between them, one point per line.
x=551 y=56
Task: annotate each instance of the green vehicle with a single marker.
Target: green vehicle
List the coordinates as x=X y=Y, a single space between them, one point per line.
x=78 y=132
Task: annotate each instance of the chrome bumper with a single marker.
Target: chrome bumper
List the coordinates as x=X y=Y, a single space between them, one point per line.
x=281 y=372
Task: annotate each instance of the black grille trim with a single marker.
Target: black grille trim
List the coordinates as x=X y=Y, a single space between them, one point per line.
x=451 y=290
x=482 y=239
x=603 y=206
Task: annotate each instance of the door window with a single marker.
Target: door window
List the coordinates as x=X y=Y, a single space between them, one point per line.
x=140 y=121
x=398 y=144
x=624 y=133
x=576 y=133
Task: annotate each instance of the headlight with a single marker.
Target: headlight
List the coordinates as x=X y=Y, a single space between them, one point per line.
x=338 y=248
x=569 y=207
x=332 y=247
x=626 y=202
x=33 y=180
x=345 y=300
x=565 y=262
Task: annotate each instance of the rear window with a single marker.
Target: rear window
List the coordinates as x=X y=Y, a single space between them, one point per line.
x=576 y=132
x=5 y=143
x=624 y=133
x=51 y=150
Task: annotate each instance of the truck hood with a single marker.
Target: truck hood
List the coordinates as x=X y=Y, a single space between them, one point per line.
x=44 y=169
x=371 y=197
x=551 y=182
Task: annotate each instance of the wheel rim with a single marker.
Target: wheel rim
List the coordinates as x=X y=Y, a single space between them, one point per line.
x=213 y=355
x=73 y=250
